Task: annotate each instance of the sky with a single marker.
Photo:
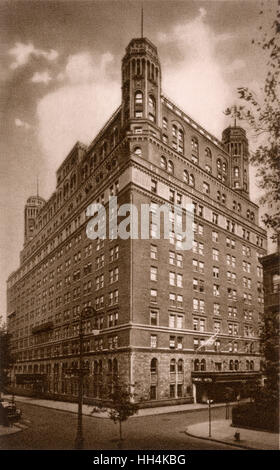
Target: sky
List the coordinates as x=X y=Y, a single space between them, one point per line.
x=60 y=79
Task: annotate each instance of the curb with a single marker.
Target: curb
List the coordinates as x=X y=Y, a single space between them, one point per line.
x=135 y=416
x=12 y=431
x=239 y=446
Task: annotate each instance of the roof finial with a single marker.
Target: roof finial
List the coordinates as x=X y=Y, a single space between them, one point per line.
x=235 y=114
x=142 y=21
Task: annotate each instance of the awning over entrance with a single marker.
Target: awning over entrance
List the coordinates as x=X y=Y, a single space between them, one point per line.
x=224 y=377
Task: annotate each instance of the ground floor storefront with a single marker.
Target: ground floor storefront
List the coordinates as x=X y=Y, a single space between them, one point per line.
x=156 y=378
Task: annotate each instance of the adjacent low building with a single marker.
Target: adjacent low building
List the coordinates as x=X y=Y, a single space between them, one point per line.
x=181 y=325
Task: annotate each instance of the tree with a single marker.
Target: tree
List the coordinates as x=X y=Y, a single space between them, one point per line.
x=6 y=359
x=117 y=400
x=262 y=113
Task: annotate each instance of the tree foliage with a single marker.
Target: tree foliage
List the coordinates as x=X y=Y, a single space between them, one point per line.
x=117 y=400
x=6 y=358
x=261 y=111
x=270 y=351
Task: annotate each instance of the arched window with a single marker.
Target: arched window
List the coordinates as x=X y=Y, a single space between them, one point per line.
x=170 y=167
x=231 y=364
x=247 y=365
x=239 y=207
x=163 y=163
x=177 y=138
x=219 y=164
x=186 y=177
x=164 y=123
x=203 y=365
x=208 y=168
x=252 y=365
x=172 y=365
x=236 y=365
x=154 y=366
x=218 y=195
x=248 y=214
x=196 y=365
x=180 y=141
x=236 y=172
x=152 y=108
x=138 y=98
x=138 y=151
x=224 y=167
x=180 y=366
x=208 y=153
x=194 y=143
x=191 y=182
x=223 y=198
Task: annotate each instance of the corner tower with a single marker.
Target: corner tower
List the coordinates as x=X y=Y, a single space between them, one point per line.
x=141 y=83
x=236 y=143
x=31 y=209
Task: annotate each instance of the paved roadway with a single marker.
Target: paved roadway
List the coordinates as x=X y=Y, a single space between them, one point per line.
x=49 y=429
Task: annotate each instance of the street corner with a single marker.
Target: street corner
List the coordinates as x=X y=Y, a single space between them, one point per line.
x=6 y=430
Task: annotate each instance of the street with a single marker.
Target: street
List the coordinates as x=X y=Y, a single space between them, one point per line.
x=49 y=429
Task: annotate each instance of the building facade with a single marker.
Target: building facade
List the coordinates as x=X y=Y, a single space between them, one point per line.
x=155 y=304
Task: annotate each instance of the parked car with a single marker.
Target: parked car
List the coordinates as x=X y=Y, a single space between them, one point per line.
x=8 y=412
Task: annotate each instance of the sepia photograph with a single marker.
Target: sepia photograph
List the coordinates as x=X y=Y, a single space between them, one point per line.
x=140 y=222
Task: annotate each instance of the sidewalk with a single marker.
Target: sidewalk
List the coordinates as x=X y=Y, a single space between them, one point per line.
x=87 y=409
x=5 y=430
x=223 y=432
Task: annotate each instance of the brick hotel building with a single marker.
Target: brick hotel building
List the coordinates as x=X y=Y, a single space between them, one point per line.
x=155 y=305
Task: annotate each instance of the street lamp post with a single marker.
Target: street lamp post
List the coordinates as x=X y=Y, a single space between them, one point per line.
x=209 y=413
x=79 y=441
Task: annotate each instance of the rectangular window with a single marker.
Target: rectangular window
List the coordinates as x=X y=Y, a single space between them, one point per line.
x=154 y=317
x=179 y=260
x=172 y=279
x=153 y=274
x=172 y=257
x=172 y=342
x=215 y=253
x=215 y=237
x=171 y=195
x=153 y=252
x=172 y=390
x=153 y=186
x=179 y=280
x=216 y=272
x=216 y=309
x=206 y=188
x=153 y=295
x=216 y=290
x=172 y=321
x=153 y=341
x=215 y=218
x=217 y=327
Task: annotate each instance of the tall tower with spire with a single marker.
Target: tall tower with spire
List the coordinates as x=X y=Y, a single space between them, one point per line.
x=141 y=84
